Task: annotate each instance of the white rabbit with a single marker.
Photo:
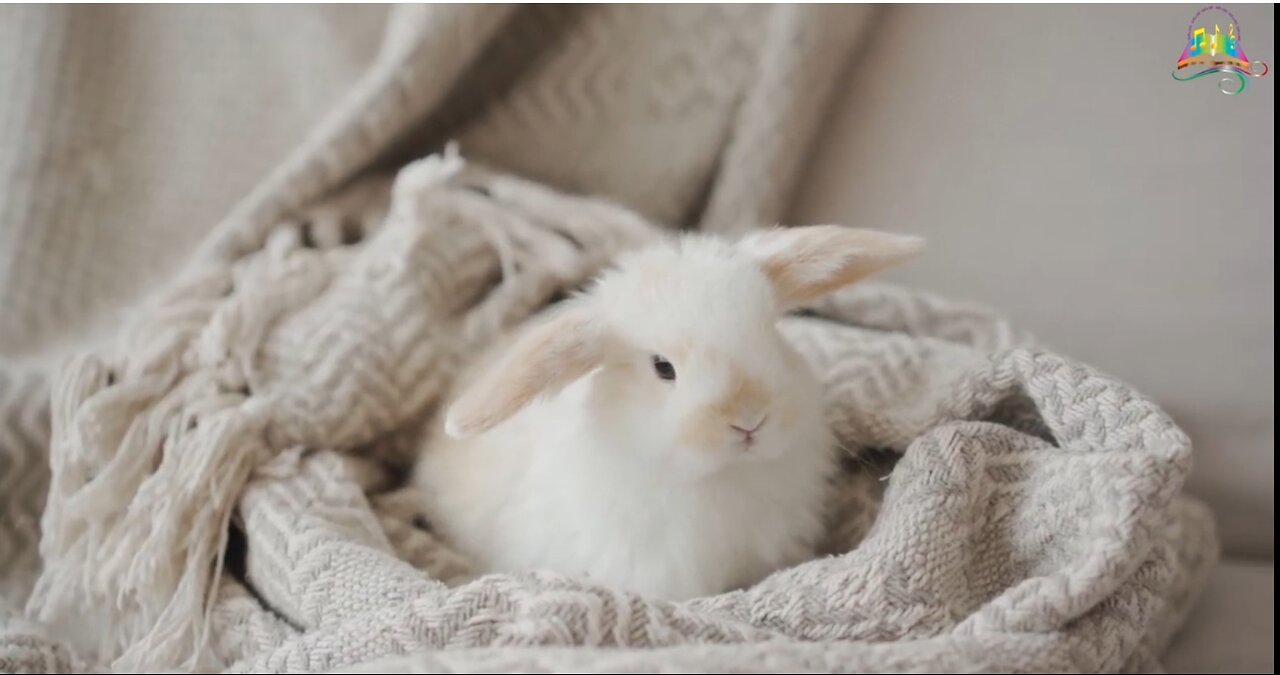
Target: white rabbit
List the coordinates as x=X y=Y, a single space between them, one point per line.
x=657 y=433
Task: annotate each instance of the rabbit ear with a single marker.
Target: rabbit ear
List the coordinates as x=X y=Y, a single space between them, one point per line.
x=542 y=361
x=806 y=263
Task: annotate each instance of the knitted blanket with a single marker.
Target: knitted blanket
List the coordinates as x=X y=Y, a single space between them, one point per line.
x=128 y=130
x=224 y=486
x=256 y=418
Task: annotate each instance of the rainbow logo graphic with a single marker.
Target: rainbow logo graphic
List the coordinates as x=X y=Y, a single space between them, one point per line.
x=1219 y=52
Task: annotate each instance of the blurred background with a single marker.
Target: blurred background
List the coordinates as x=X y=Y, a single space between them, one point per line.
x=1062 y=175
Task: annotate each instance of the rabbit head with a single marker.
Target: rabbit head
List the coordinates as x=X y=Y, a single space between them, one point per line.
x=679 y=348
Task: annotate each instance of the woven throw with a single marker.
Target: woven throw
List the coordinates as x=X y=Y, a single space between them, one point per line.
x=129 y=130
x=225 y=495
x=226 y=466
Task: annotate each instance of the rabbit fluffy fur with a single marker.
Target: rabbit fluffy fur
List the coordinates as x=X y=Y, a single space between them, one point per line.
x=657 y=433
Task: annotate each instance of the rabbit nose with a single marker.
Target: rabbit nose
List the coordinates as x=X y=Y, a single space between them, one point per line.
x=750 y=427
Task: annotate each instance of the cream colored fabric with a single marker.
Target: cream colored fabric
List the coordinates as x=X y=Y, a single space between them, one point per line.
x=127 y=132
x=278 y=382
x=1232 y=630
x=1033 y=522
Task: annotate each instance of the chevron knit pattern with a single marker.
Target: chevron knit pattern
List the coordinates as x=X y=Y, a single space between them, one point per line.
x=639 y=104
x=223 y=474
x=1032 y=518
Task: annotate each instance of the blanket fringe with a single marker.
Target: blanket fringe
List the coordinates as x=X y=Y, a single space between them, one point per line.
x=153 y=448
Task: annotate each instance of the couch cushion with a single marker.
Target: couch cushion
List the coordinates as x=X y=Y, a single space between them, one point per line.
x=1233 y=628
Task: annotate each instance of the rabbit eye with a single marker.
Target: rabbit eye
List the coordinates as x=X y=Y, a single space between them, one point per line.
x=663 y=368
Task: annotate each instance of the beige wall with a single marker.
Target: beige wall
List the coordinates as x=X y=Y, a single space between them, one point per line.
x=1063 y=175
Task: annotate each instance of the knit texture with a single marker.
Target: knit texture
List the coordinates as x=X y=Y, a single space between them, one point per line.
x=1032 y=522
x=223 y=473
x=127 y=131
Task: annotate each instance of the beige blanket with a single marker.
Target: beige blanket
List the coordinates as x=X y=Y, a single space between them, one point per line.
x=126 y=131
x=223 y=491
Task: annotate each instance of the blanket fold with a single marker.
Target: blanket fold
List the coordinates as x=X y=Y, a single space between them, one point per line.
x=1033 y=521
x=224 y=478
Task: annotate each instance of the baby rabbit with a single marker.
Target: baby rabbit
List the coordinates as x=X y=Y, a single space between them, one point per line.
x=656 y=434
